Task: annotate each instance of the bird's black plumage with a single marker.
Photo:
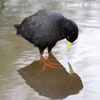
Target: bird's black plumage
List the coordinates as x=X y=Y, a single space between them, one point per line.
x=45 y=28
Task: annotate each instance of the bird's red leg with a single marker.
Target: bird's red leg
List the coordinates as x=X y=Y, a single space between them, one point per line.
x=46 y=63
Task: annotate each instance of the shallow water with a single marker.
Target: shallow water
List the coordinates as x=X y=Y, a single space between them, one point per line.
x=17 y=53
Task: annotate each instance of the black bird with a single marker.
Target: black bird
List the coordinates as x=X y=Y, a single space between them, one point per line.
x=44 y=29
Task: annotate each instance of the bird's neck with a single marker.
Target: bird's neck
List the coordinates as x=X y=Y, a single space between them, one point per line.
x=62 y=36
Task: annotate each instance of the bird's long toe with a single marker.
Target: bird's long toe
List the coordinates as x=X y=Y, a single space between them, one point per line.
x=48 y=63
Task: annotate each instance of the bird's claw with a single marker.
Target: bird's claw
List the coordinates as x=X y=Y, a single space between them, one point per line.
x=47 y=62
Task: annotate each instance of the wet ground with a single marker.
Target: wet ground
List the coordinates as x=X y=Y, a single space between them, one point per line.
x=17 y=54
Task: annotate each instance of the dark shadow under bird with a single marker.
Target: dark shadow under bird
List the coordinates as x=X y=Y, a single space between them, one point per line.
x=44 y=29
x=54 y=84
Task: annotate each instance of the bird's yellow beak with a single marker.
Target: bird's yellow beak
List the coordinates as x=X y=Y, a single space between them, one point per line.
x=68 y=45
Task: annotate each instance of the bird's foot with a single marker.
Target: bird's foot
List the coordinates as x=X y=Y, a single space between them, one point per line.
x=47 y=62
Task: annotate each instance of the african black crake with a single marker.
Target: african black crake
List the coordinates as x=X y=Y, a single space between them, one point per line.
x=44 y=29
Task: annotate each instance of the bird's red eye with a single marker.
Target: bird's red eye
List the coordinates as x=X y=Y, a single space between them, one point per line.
x=68 y=37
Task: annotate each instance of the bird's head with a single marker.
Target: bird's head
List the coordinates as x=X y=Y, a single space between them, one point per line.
x=71 y=33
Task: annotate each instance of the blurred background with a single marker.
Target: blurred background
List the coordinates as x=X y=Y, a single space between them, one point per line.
x=16 y=53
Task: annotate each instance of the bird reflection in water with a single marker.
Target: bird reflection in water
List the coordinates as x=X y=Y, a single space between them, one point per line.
x=51 y=83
